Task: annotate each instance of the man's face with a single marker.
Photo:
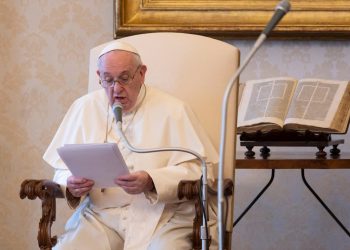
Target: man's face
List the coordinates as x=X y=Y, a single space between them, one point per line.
x=120 y=65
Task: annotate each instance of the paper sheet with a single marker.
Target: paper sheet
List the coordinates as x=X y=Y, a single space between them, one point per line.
x=99 y=162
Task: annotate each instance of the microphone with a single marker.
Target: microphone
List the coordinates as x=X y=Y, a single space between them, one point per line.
x=205 y=234
x=117 y=111
x=281 y=9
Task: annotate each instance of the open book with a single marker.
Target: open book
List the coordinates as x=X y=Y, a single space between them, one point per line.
x=309 y=104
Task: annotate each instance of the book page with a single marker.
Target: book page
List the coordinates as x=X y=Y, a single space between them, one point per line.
x=341 y=119
x=315 y=103
x=265 y=101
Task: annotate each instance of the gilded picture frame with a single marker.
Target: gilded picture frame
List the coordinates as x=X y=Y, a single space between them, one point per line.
x=232 y=18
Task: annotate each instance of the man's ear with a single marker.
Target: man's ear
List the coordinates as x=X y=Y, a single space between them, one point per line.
x=98 y=73
x=143 y=70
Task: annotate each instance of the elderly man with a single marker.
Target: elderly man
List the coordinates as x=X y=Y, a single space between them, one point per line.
x=143 y=211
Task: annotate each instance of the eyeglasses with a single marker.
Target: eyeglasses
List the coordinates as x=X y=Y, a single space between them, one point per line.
x=123 y=79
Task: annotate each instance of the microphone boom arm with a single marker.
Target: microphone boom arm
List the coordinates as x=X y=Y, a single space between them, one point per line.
x=204 y=235
x=281 y=9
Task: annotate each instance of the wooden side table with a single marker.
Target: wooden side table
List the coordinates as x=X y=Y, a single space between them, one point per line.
x=302 y=161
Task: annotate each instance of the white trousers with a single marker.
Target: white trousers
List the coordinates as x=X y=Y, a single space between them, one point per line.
x=90 y=229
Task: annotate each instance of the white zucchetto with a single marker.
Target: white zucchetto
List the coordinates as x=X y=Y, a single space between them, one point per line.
x=118 y=45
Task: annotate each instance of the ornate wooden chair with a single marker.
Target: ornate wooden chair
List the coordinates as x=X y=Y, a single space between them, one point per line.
x=194 y=68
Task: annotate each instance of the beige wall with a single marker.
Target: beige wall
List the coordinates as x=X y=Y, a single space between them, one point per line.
x=44 y=49
x=44 y=46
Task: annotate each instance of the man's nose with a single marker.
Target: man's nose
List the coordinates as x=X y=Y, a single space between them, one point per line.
x=117 y=87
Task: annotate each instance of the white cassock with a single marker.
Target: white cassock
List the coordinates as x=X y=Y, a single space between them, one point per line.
x=157 y=120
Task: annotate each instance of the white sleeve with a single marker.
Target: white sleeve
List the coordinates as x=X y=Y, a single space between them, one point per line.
x=167 y=179
x=61 y=176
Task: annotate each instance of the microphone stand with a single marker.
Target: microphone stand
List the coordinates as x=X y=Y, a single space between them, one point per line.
x=281 y=9
x=224 y=109
x=204 y=235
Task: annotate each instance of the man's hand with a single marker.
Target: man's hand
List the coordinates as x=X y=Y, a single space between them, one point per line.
x=135 y=183
x=79 y=186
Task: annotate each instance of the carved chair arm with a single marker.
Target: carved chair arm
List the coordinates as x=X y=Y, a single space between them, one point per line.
x=190 y=190
x=47 y=191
